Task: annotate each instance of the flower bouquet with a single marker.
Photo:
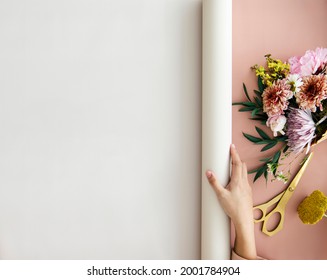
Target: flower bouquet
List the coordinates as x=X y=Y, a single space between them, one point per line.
x=291 y=100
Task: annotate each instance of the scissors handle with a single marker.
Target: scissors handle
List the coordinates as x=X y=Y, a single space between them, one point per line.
x=263 y=208
x=277 y=211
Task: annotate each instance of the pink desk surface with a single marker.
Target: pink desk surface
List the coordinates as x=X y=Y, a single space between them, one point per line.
x=283 y=29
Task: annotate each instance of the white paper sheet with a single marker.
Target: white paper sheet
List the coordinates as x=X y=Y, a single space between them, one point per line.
x=216 y=123
x=100 y=120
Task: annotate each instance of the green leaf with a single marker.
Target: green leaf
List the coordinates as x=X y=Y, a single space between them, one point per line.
x=261 y=86
x=269 y=146
x=258 y=93
x=237 y=103
x=263 y=115
x=255 y=111
x=246 y=92
x=276 y=157
x=258 y=101
x=257 y=169
x=281 y=138
x=248 y=104
x=265 y=141
x=266 y=160
x=251 y=138
x=259 y=173
x=285 y=149
x=262 y=133
x=266 y=175
x=254 y=170
x=245 y=109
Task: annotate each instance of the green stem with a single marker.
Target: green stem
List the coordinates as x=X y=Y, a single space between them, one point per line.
x=321 y=120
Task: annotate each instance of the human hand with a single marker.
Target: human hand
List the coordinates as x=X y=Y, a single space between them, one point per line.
x=236 y=200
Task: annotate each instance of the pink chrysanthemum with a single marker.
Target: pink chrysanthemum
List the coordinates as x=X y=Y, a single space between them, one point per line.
x=312 y=92
x=300 y=130
x=275 y=98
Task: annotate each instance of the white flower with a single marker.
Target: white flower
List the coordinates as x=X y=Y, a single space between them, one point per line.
x=276 y=124
x=281 y=177
x=295 y=81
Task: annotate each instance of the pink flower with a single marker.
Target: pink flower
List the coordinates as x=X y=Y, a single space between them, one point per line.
x=276 y=124
x=295 y=64
x=321 y=55
x=275 y=98
x=312 y=62
x=300 y=130
x=312 y=92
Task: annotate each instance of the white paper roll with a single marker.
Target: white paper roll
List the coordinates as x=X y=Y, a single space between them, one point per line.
x=216 y=123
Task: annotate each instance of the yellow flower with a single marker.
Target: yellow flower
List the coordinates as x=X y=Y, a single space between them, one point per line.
x=312 y=209
x=276 y=69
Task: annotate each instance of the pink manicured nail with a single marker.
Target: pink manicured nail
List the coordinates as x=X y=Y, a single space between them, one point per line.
x=209 y=174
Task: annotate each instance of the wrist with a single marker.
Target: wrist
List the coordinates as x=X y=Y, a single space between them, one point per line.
x=245 y=241
x=244 y=226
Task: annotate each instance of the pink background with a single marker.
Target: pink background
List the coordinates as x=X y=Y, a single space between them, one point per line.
x=283 y=29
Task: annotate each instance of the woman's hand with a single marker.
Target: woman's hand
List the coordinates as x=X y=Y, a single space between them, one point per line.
x=236 y=200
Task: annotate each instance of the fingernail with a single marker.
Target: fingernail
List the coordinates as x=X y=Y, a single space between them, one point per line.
x=209 y=174
x=233 y=146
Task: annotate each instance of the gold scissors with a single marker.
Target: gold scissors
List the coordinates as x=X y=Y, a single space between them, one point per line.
x=281 y=200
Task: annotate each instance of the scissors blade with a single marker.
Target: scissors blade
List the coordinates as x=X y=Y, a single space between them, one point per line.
x=298 y=176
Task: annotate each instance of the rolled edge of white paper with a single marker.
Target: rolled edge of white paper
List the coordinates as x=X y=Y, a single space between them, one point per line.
x=216 y=123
